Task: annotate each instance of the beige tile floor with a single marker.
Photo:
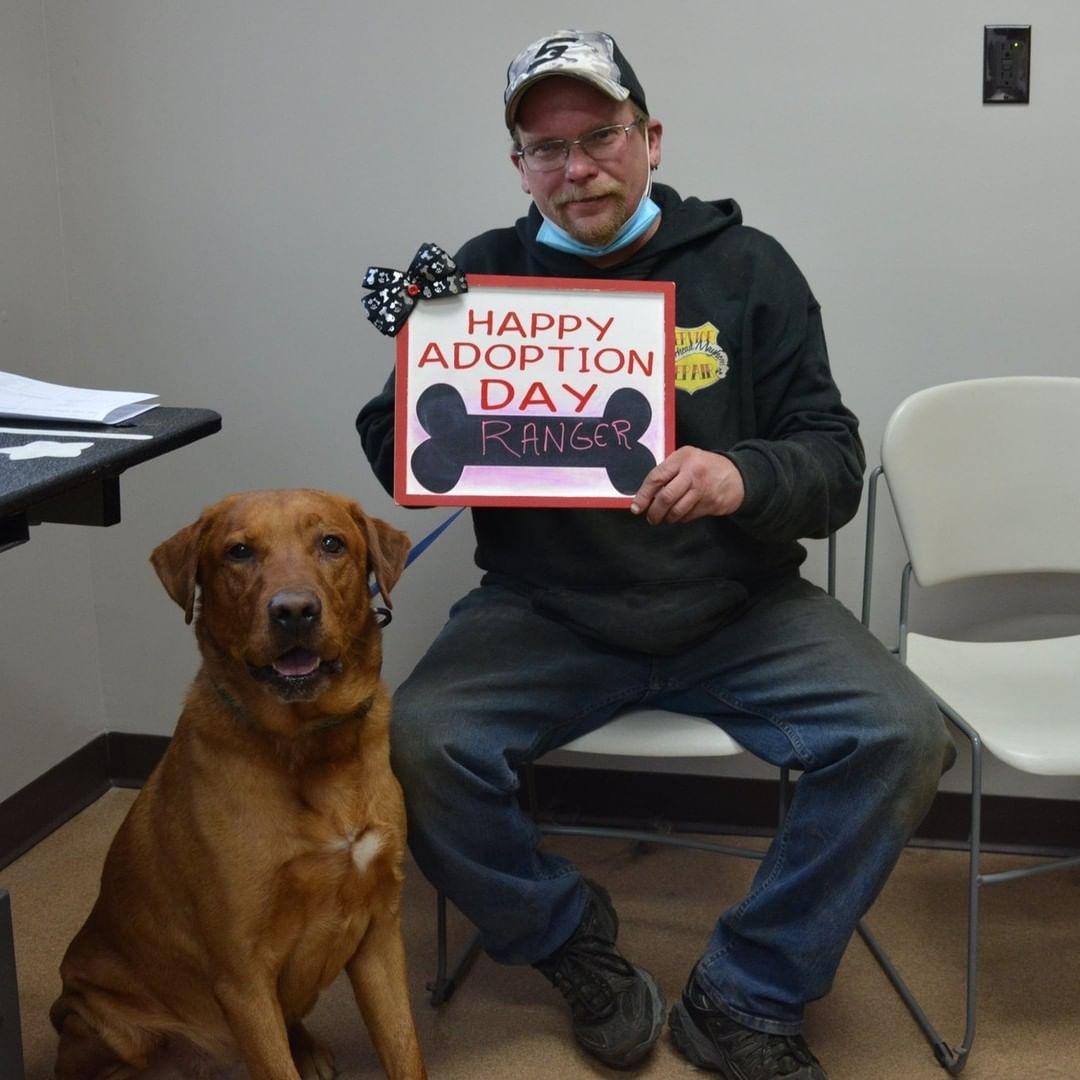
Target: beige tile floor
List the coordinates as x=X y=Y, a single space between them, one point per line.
x=507 y=1022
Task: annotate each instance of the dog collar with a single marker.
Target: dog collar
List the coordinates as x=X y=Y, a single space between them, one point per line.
x=323 y=724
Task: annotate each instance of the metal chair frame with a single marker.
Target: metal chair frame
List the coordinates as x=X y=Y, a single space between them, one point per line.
x=952 y=1057
x=448 y=978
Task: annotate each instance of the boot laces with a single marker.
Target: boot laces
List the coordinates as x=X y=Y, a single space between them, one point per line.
x=784 y=1055
x=581 y=973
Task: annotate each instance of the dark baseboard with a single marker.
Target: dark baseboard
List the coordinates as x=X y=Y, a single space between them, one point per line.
x=36 y=810
x=132 y=757
x=735 y=805
x=667 y=801
x=112 y=760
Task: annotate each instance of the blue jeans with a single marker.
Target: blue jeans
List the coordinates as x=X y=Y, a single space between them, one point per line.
x=796 y=679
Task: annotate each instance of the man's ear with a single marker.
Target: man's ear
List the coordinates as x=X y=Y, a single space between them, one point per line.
x=523 y=176
x=655 y=132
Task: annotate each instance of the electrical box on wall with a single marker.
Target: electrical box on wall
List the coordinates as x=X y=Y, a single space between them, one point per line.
x=1006 y=65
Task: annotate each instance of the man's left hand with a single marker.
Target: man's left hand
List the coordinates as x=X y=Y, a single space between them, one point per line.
x=689 y=484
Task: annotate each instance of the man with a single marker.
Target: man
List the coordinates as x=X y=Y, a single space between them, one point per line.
x=692 y=602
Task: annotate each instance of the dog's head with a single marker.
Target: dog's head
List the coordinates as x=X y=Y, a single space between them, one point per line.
x=281 y=579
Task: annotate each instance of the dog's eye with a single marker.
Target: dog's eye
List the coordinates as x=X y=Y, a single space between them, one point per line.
x=240 y=552
x=332 y=545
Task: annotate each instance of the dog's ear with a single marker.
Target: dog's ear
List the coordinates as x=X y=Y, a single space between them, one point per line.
x=388 y=549
x=176 y=561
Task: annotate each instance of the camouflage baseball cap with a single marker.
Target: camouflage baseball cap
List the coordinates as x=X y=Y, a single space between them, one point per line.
x=579 y=54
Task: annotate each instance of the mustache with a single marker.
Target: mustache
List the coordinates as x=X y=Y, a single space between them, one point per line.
x=577 y=194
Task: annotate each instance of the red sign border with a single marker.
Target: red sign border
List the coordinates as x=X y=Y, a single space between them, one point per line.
x=666 y=289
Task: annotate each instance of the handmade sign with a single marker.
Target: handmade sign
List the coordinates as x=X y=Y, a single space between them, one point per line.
x=535 y=391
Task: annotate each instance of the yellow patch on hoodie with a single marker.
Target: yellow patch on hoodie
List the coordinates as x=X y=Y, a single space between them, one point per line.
x=699 y=359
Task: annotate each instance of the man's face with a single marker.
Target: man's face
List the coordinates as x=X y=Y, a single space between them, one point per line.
x=590 y=200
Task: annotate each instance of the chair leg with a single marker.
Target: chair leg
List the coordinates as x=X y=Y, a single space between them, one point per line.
x=11 y=1059
x=442 y=987
x=785 y=796
x=951 y=1058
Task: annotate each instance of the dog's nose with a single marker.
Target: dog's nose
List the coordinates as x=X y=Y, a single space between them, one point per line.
x=295 y=610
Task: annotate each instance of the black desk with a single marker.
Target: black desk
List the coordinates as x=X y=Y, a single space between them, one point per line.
x=83 y=490
x=77 y=490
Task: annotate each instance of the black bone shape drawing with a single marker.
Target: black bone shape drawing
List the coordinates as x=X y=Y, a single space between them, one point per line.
x=459 y=438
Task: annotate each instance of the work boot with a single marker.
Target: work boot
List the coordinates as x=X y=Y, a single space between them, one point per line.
x=712 y=1040
x=617 y=1008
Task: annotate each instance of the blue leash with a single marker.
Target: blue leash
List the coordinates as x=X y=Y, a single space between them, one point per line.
x=415 y=552
x=419 y=549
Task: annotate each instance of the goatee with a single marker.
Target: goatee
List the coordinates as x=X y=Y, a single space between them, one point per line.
x=598 y=233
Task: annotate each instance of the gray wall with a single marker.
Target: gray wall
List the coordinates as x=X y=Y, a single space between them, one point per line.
x=190 y=194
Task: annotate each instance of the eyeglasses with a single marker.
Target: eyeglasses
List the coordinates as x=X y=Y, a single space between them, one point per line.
x=603 y=144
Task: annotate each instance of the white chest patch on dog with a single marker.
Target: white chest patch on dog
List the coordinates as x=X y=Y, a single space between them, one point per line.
x=365 y=847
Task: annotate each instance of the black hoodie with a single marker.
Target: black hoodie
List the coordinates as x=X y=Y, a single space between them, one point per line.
x=771 y=406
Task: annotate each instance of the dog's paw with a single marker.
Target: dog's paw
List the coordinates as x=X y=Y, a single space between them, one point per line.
x=313 y=1062
x=316 y=1063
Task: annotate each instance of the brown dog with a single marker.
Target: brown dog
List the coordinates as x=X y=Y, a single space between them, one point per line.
x=264 y=855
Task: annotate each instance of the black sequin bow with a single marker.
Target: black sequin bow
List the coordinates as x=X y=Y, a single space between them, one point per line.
x=431 y=274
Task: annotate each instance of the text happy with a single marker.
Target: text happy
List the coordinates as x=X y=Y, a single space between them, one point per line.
x=573 y=344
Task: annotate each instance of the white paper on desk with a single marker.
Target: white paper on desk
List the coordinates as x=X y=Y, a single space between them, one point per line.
x=39 y=400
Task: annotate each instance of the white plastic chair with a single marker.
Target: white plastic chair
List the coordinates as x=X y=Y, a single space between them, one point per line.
x=984 y=477
x=635 y=733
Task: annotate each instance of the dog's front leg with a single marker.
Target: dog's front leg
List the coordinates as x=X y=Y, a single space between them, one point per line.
x=377 y=974
x=254 y=1017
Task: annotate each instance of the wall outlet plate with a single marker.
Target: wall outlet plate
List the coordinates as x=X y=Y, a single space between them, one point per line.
x=1006 y=65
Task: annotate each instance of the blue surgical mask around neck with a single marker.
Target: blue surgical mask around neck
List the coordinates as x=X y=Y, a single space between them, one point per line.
x=554 y=236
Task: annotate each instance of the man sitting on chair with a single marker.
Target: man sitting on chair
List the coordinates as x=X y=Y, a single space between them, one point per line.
x=691 y=601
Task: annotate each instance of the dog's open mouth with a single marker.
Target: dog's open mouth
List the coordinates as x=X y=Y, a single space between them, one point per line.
x=295 y=674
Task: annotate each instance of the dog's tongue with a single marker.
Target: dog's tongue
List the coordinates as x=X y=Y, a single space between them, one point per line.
x=296 y=662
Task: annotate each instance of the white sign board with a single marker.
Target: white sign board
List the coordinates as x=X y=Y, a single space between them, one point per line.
x=535 y=391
